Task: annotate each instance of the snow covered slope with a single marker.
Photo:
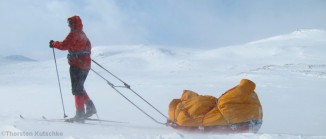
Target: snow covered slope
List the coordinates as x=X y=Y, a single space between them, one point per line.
x=289 y=71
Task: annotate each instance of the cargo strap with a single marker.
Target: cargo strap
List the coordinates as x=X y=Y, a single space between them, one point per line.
x=226 y=119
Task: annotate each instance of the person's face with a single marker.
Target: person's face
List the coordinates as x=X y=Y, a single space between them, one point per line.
x=70 y=24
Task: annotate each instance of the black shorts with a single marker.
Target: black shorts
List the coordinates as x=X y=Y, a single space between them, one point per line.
x=77 y=77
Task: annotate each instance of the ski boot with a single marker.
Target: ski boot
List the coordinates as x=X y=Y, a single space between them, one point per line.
x=90 y=109
x=79 y=117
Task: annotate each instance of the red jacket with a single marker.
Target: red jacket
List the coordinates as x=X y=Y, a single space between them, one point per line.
x=77 y=44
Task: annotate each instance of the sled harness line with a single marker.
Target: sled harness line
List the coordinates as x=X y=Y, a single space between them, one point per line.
x=129 y=88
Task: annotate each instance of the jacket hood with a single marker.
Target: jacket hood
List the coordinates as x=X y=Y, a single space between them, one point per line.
x=78 y=25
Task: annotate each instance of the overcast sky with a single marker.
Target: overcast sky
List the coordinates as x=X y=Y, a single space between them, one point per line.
x=27 y=25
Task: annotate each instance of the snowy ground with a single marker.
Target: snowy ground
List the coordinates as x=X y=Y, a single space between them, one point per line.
x=289 y=71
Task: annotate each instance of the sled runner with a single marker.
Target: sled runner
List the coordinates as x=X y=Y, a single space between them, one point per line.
x=245 y=127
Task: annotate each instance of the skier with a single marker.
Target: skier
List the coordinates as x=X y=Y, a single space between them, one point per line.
x=79 y=48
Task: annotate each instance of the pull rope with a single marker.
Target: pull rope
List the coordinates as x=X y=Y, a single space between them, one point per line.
x=129 y=87
x=114 y=87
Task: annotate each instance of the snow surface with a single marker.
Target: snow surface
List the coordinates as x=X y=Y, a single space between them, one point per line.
x=289 y=71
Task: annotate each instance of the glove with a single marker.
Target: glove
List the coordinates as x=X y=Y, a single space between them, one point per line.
x=51 y=46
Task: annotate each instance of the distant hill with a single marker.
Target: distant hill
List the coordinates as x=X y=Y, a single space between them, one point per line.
x=18 y=58
x=13 y=59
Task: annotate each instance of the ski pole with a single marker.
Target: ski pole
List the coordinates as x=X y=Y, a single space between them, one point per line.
x=56 y=67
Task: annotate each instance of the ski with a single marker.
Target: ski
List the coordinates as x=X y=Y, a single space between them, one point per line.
x=63 y=120
x=46 y=119
x=101 y=120
x=40 y=119
x=21 y=117
x=87 y=119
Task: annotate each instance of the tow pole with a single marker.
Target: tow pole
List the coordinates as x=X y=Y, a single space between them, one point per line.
x=127 y=86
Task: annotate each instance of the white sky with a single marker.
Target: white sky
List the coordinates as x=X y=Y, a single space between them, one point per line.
x=28 y=25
